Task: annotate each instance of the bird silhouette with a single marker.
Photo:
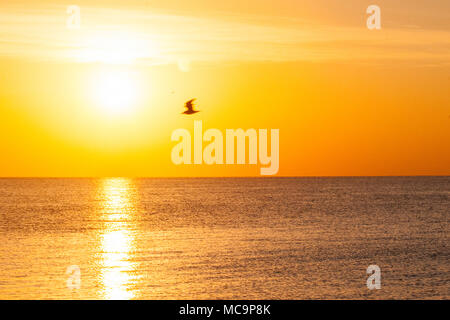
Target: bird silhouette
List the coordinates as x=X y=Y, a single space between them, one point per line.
x=190 y=107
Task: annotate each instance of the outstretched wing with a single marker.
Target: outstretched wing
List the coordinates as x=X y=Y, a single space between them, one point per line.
x=189 y=105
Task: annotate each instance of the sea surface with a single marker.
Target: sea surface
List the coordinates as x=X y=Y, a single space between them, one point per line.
x=224 y=238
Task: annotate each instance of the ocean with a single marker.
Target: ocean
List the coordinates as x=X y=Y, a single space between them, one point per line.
x=224 y=238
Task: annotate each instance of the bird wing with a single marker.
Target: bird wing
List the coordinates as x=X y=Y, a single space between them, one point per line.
x=189 y=105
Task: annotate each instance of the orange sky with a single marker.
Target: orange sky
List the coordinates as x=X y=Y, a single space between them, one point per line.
x=347 y=100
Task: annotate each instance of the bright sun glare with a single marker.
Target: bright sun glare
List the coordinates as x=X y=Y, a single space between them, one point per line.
x=116 y=92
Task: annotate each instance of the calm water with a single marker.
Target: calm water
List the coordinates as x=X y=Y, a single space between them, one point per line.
x=277 y=238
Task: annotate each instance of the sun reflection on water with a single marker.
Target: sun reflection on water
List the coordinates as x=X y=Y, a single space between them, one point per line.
x=117 y=238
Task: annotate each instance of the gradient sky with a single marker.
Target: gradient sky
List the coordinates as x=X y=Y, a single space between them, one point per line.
x=347 y=100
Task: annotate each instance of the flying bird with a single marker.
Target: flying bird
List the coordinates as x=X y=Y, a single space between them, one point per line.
x=190 y=107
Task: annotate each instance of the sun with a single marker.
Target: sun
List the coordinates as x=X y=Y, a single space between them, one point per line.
x=116 y=92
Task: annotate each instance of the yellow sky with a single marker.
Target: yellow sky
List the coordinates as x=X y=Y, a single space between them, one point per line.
x=347 y=100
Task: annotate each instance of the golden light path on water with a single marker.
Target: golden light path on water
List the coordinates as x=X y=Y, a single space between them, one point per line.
x=117 y=239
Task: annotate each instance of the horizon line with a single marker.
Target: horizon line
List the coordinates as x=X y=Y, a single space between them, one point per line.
x=225 y=177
